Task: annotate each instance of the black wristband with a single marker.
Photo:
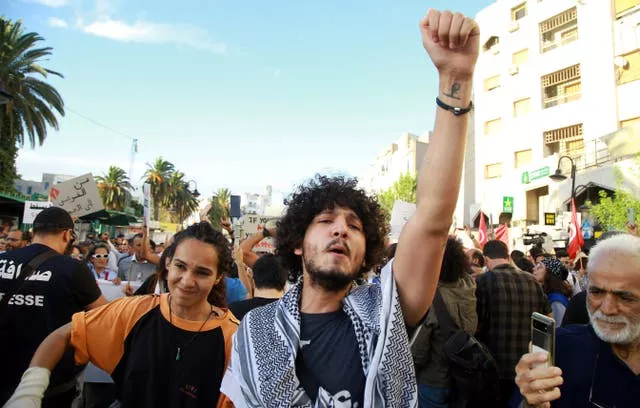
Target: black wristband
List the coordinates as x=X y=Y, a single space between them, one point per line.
x=453 y=109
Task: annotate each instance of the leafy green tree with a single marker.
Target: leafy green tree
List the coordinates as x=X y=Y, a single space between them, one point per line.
x=404 y=189
x=611 y=210
x=138 y=208
x=34 y=102
x=114 y=188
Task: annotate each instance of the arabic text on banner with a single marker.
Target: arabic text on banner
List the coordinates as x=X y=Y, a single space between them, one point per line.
x=79 y=196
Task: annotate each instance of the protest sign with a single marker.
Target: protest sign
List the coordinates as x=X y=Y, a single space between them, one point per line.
x=400 y=214
x=78 y=196
x=253 y=224
x=32 y=209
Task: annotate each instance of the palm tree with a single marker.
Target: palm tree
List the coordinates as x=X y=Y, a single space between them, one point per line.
x=34 y=102
x=219 y=207
x=224 y=199
x=114 y=188
x=180 y=198
x=157 y=176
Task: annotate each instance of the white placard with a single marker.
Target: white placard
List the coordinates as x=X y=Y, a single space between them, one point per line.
x=400 y=214
x=32 y=209
x=111 y=291
x=79 y=196
x=255 y=223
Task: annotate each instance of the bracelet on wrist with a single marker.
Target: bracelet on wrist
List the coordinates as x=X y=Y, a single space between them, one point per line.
x=457 y=111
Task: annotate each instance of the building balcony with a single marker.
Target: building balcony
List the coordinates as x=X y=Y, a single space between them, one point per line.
x=567 y=37
x=561 y=99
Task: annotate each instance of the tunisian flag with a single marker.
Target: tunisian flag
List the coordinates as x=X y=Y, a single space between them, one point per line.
x=576 y=240
x=482 y=231
x=502 y=234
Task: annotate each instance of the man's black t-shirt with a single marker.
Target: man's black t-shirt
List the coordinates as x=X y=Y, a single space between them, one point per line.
x=241 y=308
x=60 y=287
x=329 y=358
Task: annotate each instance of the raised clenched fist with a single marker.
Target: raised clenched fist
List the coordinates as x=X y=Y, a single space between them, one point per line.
x=452 y=41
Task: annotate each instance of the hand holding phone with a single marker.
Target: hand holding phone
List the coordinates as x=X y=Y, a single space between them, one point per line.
x=543 y=337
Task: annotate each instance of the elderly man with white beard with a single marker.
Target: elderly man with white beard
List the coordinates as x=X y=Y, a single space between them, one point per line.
x=596 y=365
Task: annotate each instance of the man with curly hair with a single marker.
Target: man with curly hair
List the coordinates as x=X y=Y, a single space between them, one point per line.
x=327 y=343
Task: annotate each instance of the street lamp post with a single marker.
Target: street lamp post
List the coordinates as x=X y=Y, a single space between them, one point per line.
x=558 y=176
x=196 y=193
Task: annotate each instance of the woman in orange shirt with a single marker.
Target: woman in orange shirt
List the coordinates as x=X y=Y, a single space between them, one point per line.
x=162 y=351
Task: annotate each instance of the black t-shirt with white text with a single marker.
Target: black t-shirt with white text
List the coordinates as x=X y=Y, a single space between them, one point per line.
x=60 y=287
x=329 y=358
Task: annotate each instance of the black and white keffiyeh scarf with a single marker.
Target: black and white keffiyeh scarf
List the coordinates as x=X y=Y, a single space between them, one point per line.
x=262 y=371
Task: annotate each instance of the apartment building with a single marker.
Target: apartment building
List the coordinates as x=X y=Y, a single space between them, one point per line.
x=402 y=156
x=553 y=78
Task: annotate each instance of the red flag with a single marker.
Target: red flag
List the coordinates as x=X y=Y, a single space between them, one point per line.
x=502 y=234
x=576 y=240
x=482 y=231
x=53 y=194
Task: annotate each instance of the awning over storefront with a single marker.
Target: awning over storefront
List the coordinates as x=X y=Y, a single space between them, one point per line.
x=11 y=205
x=587 y=192
x=108 y=217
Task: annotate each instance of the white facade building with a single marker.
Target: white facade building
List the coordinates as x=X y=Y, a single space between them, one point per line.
x=406 y=155
x=403 y=156
x=28 y=187
x=546 y=86
x=257 y=203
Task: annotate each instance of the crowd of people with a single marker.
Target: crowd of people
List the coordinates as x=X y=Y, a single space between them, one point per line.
x=337 y=317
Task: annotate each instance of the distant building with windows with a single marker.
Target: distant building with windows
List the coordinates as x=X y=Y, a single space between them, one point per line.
x=257 y=203
x=553 y=78
x=406 y=155
x=400 y=157
x=30 y=187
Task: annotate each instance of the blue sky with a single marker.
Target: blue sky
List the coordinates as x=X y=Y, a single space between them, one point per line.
x=236 y=94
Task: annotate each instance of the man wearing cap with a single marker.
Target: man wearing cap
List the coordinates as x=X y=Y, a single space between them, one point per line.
x=34 y=307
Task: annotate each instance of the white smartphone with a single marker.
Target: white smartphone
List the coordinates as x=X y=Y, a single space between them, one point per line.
x=543 y=337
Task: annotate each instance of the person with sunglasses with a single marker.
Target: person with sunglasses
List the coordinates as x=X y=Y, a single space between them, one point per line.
x=596 y=365
x=97 y=260
x=33 y=308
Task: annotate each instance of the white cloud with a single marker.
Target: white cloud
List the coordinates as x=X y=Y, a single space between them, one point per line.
x=154 y=33
x=51 y=3
x=57 y=22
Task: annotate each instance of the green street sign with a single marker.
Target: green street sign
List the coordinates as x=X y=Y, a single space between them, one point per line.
x=507 y=205
x=529 y=176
